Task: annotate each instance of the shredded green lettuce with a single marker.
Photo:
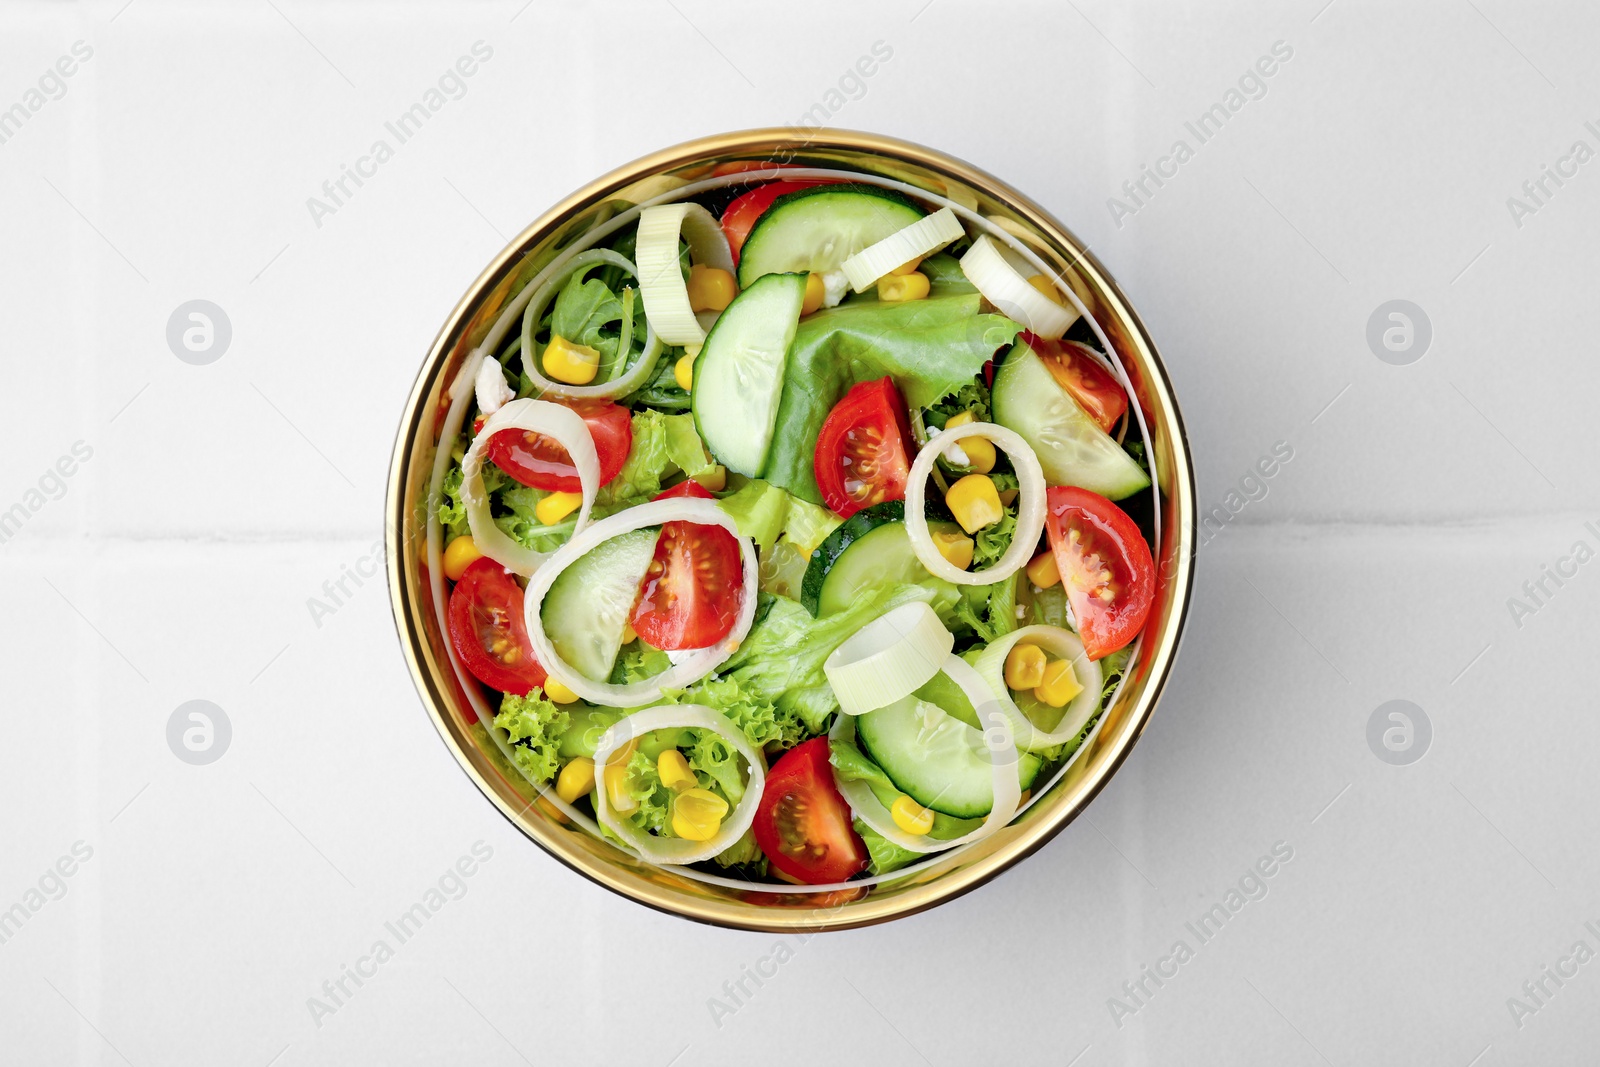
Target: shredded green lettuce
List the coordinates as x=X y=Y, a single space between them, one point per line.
x=534 y=726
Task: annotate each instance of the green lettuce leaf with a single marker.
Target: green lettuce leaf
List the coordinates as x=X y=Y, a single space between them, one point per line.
x=636 y=662
x=716 y=764
x=744 y=853
x=647 y=464
x=763 y=513
x=584 y=310
x=684 y=447
x=534 y=726
x=808 y=525
x=654 y=812
x=931 y=348
x=973 y=397
x=758 y=510
x=883 y=855
x=850 y=764
x=991 y=542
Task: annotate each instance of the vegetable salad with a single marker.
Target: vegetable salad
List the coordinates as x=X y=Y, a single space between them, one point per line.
x=780 y=528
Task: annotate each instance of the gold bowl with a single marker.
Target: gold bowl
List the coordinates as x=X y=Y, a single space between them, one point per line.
x=773 y=907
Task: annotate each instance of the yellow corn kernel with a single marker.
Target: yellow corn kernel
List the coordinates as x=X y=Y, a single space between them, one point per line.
x=674 y=771
x=1042 y=570
x=1025 y=665
x=974 y=502
x=979 y=450
x=1059 y=686
x=697 y=814
x=557 y=506
x=980 y=453
x=570 y=363
x=551 y=810
x=617 y=794
x=907 y=267
x=576 y=779
x=910 y=816
x=714 y=480
x=629 y=634
x=710 y=289
x=683 y=372
x=815 y=291
x=1008 y=497
x=621 y=756
x=897 y=287
x=557 y=692
x=955 y=547
x=1047 y=287
x=459 y=555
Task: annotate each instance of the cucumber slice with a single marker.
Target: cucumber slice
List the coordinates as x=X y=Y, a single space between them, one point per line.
x=870 y=550
x=817 y=229
x=588 y=605
x=738 y=375
x=935 y=758
x=1071 y=448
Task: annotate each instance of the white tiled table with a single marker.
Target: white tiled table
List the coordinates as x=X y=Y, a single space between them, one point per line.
x=178 y=560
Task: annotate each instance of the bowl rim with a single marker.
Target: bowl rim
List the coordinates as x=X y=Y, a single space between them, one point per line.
x=1177 y=564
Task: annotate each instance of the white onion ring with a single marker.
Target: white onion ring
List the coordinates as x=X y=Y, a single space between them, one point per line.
x=991 y=664
x=696 y=663
x=1030 y=504
x=987 y=268
x=917 y=241
x=666 y=296
x=678 y=850
x=562 y=425
x=1003 y=759
x=890 y=657
x=636 y=376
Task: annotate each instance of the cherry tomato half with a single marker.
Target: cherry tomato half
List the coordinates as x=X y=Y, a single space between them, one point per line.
x=863 y=449
x=690 y=594
x=739 y=217
x=1105 y=567
x=539 y=462
x=803 y=824
x=488 y=632
x=1085 y=379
